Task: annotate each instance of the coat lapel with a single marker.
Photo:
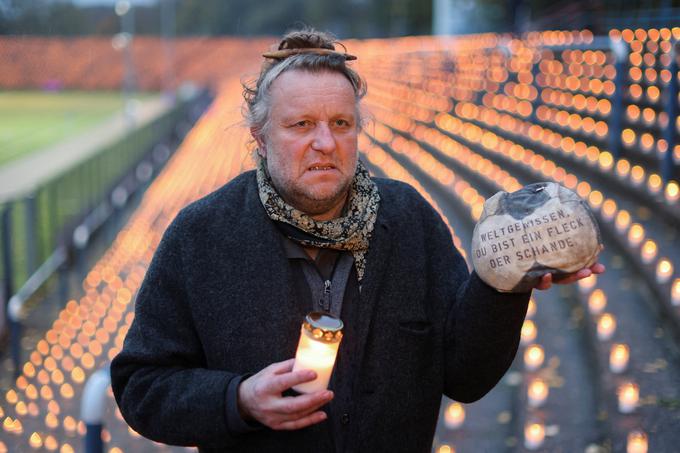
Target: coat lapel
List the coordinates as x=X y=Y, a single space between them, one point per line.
x=377 y=260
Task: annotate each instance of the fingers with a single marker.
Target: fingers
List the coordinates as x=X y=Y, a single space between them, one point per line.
x=545 y=282
x=284 y=381
x=302 y=404
x=260 y=398
x=281 y=367
x=598 y=268
x=309 y=420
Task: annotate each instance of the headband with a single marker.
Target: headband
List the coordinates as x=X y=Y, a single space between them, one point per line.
x=285 y=53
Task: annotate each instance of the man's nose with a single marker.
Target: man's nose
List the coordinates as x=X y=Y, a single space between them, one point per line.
x=323 y=138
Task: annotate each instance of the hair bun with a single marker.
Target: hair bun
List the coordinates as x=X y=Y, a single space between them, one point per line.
x=307 y=39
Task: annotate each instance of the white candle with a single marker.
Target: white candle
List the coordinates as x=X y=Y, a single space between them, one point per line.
x=618 y=358
x=597 y=302
x=606 y=326
x=629 y=395
x=537 y=392
x=637 y=442
x=533 y=357
x=454 y=415
x=318 y=346
x=534 y=435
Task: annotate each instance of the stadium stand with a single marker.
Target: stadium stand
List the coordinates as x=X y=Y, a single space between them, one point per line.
x=458 y=118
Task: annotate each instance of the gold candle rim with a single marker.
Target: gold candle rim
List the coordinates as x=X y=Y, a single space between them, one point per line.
x=323 y=326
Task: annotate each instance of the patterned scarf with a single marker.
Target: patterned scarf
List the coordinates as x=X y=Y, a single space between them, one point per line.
x=351 y=232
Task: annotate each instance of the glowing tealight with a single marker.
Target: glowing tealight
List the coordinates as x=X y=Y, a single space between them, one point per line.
x=534 y=435
x=585 y=285
x=454 y=415
x=537 y=392
x=618 y=358
x=622 y=221
x=606 y=326
x=533 y=357
x=636 y=234
x=636 y=442
x=597 y=302
x=664 y=270
x=609 y=209
x=672 y=192
x=675 y=292
x=528 y=333
x=649 y=251
x=629 y=396
x=35 y=441
x=654 y=183
x=445 y=448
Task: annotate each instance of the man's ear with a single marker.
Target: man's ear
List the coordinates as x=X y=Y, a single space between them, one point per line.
x=261 y=146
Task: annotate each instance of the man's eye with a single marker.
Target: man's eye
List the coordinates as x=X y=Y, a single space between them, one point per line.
x=342 y=123
x=303 y=123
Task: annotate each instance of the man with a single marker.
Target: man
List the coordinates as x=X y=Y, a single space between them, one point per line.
x=207 y=361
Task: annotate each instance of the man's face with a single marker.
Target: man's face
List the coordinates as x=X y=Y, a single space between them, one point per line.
x=311 y=141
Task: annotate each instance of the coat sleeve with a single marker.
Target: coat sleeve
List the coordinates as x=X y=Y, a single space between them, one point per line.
x=482 y=328
x=160 y=379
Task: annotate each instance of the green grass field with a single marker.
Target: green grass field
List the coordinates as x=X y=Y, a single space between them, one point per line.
x=33 y=120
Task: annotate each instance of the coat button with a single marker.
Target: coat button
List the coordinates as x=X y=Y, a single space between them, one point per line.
x=344 y=419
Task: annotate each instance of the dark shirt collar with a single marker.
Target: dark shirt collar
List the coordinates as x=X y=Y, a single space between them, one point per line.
x=325 y=260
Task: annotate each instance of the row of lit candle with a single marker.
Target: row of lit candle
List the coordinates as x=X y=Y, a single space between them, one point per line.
x=92 y=328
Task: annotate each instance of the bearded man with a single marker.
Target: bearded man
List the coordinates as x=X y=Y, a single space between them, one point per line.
x=208 y=359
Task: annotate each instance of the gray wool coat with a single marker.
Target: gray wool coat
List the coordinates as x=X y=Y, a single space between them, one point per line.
x=218 y=302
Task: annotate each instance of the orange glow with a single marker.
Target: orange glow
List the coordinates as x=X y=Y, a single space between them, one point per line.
x=636 y=234
x=672 y=192
x=622 y=220
x=649 y=251
x=628 y=136
x=637 y=174
x=608 y=209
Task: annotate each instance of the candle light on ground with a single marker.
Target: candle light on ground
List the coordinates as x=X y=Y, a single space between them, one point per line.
x=622 y=221
x=649 y=251
x=528 y=333
x=597 y=302
x=675 y=292
x=585 y=285
x=629 y=395
x=534 y=435
x=618 y=358
x=454 y=415
x=445 y=448
x=664 y=271
x=636 y=234
x=533 y=357
x=537 y=392
x=637 y=442
x=606 y=326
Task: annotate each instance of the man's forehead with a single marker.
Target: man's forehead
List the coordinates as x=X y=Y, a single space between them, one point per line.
x=300 y=82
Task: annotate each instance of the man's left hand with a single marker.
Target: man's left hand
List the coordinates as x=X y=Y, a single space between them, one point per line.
x=547 y=280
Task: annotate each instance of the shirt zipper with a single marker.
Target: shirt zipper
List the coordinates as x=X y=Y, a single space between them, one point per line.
x=326 y=301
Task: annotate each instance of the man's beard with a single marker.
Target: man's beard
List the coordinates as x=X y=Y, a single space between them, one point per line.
x=303 y=199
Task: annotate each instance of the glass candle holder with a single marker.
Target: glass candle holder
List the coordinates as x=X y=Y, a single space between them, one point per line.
x=317 y=349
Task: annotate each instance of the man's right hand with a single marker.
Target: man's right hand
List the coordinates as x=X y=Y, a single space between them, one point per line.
x=259 y=398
